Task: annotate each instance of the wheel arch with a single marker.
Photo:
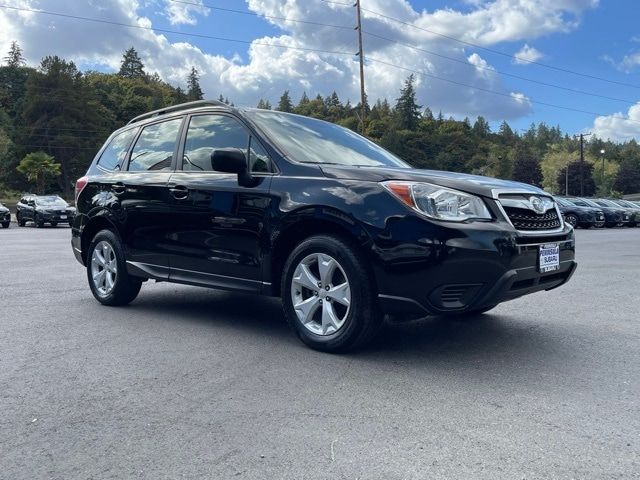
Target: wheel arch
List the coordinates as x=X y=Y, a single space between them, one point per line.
x=91 y=228
x=304 y=224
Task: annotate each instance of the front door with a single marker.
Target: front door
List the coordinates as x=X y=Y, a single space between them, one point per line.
x=218 y=225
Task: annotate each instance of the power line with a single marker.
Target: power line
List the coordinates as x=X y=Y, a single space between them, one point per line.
x=487 y=49
x=260 y=15
x=493 y=70
x=174 y=32
x=536 y=102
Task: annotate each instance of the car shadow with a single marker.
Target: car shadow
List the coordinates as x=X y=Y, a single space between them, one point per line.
x=486 y=339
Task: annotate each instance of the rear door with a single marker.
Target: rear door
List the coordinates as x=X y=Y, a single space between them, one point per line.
x=219 y=225
x=143 y=199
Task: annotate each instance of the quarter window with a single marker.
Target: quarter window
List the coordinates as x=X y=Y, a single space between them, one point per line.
x=116 y=152
x=154 y=148
x=207 y=133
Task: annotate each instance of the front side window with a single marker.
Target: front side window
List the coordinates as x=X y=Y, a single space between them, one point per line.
x=116 y=152
x=207 y=133
x=154 y=148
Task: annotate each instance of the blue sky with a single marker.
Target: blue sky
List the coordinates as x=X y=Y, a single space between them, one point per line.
x=597 y=38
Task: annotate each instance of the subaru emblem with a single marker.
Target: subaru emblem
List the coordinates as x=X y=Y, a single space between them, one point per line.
x=537 y=204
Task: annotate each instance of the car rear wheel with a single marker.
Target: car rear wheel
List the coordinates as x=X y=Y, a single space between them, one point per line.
x=328 y=296
x=572 y=220
x=107 y=271
x=5 y=224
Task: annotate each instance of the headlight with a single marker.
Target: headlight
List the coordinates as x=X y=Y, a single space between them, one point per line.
x=437 y=202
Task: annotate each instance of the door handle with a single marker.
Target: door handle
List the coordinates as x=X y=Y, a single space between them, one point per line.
x=179 y=192
x=118 y=188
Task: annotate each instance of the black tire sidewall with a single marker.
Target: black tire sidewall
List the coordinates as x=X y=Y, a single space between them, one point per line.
x=361 y=293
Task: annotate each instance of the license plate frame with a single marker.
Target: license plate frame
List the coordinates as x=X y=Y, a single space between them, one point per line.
x=549 y=257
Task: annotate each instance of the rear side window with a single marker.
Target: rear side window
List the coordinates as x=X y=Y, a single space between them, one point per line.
x=154 y=148
x=207 y=133
x=116 y=152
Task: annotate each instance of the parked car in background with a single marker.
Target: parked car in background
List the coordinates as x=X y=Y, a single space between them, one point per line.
x=5 y=216
x=631 y=206
x=278 y=204
x=41 y=209
x=613 y=216
x=629 y=213
x=577 y=216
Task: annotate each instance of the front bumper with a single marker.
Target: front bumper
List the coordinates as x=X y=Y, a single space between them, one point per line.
x=5 y=217
x=471 y=267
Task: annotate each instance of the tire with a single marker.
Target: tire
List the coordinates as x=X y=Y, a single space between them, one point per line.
x=355 y=319
x=125 y=288
x=54 y=224
x=38 y=221
x=572 y=220
x=5 y=224
x=21 y=222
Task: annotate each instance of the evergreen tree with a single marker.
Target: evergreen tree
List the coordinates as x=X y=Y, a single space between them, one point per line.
x=628 y=178
x=407 y=108
x=285 y=105
x=131 y=66
x=588 y=184
x=15 y=59
x=481 y=128
x=526 y=167
x=264 y=104
x=194 y=92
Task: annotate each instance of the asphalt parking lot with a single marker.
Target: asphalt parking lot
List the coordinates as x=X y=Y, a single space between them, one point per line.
x=193 y=383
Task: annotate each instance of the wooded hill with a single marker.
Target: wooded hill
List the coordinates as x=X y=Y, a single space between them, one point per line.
x=67 y=114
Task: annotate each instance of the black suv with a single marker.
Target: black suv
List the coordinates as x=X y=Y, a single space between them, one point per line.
x=41 y=209
x=576 y=216
x=5 y=216
x=279 y=204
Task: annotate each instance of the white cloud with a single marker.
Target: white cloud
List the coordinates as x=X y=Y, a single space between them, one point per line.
x=183 y=13
x=526 y=55
x=629 y=62
x=269 y=71
x=619 y=126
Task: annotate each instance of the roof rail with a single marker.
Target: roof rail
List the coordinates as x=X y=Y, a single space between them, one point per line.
x=177 y=108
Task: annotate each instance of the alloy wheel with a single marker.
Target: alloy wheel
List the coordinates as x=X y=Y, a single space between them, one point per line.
x=321 y=294
x=104 y=268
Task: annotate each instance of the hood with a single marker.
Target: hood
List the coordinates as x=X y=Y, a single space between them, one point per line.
x=474 y=184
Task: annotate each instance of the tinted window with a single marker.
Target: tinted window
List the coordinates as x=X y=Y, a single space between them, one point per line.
x=116 y=152
x=308 y=140
x=154 y=148
x=207 y=133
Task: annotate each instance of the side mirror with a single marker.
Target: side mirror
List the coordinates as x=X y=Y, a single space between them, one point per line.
x=228 y=160
x=232 y=160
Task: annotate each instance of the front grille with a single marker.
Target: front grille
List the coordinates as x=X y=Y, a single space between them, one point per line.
x=523 y=219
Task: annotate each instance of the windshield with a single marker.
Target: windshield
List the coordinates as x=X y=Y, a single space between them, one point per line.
x=51 y=201
x=607 y=203
x=307 y=140
x=563 y=202
x=580 y=203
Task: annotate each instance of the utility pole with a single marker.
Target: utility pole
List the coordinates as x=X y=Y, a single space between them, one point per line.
x=363 y=96
x=582 y=135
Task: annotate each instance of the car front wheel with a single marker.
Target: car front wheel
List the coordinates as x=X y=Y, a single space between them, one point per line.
x=328 y=295
x=5 y=225
x=107 y=271
x=38 y=221
x=572 y=220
